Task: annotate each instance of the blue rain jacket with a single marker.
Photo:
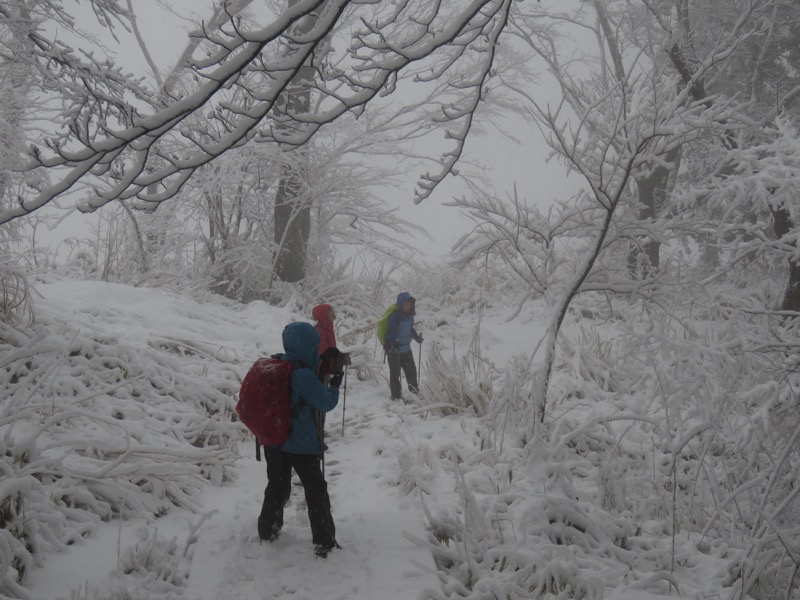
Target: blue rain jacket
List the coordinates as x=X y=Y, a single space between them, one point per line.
x=400 y=326
x=300 y=344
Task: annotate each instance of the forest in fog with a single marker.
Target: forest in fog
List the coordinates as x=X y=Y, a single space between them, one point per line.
x=644 y=436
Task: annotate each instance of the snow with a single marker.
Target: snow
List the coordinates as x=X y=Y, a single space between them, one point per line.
x=426 y=503
x=373 y=514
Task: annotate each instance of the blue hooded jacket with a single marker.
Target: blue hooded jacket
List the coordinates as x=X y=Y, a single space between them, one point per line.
x=400 y=326
x=300 y=344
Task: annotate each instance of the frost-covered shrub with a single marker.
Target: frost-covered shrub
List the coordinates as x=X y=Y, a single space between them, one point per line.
x=451 y=386
x=154 y=557
x=417 y=469
x=504 y=537
x=587 y=360
x=687 y=423
x=154 y=567
x=15 y=296
x=96 y=425
x=459 y=383
x=668 y=457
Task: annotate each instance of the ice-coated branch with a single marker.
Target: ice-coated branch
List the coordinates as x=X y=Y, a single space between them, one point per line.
x=124 y=141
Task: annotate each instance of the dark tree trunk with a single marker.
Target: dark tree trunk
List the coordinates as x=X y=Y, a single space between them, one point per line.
x=791 y=299
x=782 y=221
x=782 y=224
x=292 y=222
x=292 y=204
x=644 y=258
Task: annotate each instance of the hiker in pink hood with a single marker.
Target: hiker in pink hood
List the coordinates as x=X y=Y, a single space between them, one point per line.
x=331 y=360
x=324 y=315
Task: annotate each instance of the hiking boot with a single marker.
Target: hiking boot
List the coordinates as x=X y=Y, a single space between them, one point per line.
x=322 y=550
x=268 y=534
x=271 y=537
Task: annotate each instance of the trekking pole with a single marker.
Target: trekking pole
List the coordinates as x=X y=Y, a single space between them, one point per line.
x=419 y=365
x=344 y=398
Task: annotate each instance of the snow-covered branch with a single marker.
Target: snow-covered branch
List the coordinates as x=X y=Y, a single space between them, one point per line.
x=121 y=150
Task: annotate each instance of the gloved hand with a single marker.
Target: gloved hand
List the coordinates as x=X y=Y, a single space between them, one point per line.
x=331 y=354
x=333 y=361
x=336 y=380
x=419 y=338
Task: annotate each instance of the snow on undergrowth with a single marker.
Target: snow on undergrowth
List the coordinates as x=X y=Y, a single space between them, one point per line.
x=667 y=464
x=110 y=410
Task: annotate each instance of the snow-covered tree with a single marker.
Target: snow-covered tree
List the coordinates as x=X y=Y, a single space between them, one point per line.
x=121 y=145
x=761 y=64
x=706 y=343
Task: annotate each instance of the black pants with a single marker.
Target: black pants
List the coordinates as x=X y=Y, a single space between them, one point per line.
x=405 y=361
x=279 y=488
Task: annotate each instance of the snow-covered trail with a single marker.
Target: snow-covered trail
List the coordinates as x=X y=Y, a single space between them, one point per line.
x=213 y=552
x=370 y=511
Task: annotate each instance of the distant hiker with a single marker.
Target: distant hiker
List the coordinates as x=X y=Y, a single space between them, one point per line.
x=303 y=450
x=324 y=315
x=332 y=361
x=397 y=344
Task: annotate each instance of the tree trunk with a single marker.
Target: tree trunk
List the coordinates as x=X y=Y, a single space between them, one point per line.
x=292 y=221
x=292 y=204
x=782 y=224
x=653 y=190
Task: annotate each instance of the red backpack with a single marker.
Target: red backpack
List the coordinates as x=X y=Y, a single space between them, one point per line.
x=264 y=404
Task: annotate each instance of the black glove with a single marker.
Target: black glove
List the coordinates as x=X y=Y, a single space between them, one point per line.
x=336 y=380
x=339 y=359
x=333 y=361
x=419 y=338
x=330 y=354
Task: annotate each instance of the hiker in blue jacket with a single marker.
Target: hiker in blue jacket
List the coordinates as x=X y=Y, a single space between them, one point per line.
x=303 y=450
x=397 y=344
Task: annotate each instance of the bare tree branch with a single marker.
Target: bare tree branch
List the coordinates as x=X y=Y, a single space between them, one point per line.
x=124 y=152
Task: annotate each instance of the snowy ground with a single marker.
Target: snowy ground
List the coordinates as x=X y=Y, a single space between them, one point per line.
x=160 y=359
x=372 y=512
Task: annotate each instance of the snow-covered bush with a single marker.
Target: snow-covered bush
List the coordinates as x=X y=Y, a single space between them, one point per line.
x=96 y=425
x=668 y=457
x=456 y=385
x=687 y=419
x=15 y=296
x=153 y=567
x=154 y=557
x=512 y=533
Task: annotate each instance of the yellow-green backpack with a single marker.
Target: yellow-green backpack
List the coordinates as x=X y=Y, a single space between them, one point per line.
x=383 y=323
